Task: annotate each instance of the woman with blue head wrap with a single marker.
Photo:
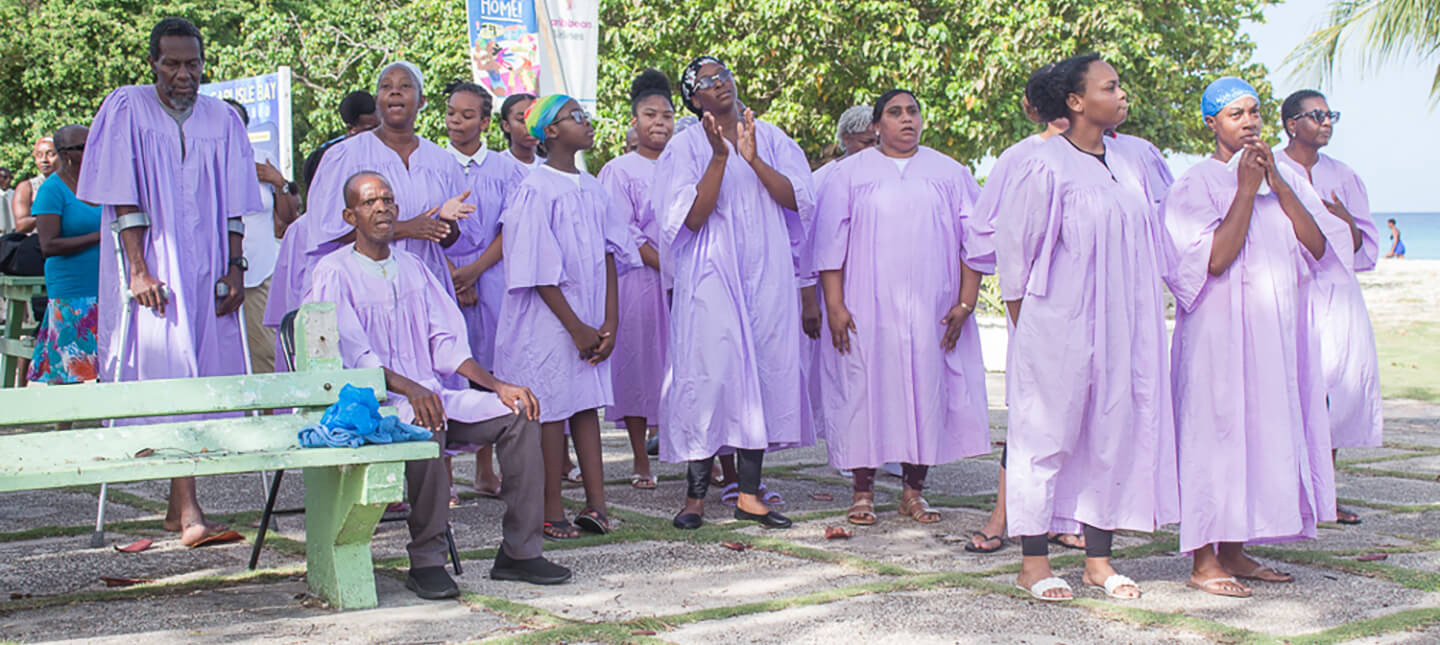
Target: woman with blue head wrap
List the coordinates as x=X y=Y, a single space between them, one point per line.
x=1250 y=410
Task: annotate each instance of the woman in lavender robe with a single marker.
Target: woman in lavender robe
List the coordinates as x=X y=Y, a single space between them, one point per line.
x=564 y=238
x=520 y=145
x=1347 y=341
x=431 y=188
x=904 y=381
x=638 y=364
x=734 y=201
x=1080 y=258
x=1253 y=432
x=476 y=266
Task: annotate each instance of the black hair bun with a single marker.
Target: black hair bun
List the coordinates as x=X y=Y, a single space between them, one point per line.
x=650 y=81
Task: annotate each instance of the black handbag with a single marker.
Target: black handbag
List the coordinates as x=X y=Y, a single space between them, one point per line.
x=20 y=255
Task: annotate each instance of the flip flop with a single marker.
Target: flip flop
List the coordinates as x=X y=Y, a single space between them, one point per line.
x=730 y=495
x=561 y=531
x=984 y=540
x=574 y=476
x=1260 y=574
x=1037 y=590
x=1058 y=539
x=1346 y=516
x=224 y=537
x=1212 y=586
x=593 y=521
x=1115 y=581
x=770 y=497
x=642 y=482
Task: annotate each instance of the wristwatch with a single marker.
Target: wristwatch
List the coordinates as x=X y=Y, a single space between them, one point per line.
x=289 y=188
x=240 y=262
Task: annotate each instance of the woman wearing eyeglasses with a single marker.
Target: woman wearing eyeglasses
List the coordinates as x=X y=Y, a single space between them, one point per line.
x=734 y=200
x=1347 y=342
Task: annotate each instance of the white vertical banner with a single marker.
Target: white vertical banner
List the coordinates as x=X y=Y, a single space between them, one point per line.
x=570 y=46
x=287 y=145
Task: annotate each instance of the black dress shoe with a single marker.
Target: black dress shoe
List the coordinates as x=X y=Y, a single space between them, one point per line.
x=536 y=571
x=688 y=521
x=431 y=583
x=771 y=520
x=652 y=447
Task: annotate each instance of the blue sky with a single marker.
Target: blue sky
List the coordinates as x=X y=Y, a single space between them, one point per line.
x=1387 y=132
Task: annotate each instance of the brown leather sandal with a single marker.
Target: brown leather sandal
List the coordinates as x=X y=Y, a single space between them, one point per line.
x=862 y=511
x=916 y=508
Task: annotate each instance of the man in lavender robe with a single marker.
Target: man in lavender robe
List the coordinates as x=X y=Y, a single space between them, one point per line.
x=178 y=171
x=1347 y=341
x=1252 y=430
x=393 y=313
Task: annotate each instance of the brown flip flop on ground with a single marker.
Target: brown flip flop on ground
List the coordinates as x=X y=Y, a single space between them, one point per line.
x=223 y=537
x=984 y=539
x=1215 y=586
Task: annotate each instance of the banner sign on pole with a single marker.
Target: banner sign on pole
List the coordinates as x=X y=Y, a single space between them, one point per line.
x=535 y=47
x=267 y=101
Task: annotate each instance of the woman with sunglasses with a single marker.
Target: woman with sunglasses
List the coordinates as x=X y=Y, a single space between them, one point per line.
x=1347 y=341
x=903 y=377
x=734 y=200
x=1079 y=254
x=1253 y=436
x=565 y=241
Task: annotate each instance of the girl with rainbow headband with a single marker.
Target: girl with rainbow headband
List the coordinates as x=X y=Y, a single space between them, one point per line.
x=565 y=242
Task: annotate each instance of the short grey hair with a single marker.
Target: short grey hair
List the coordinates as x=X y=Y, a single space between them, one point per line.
x=853 y=121
x=414 y=74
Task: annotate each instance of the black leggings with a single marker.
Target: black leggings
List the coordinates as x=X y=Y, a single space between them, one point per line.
x=747 y=462
x=912 y=474
x=1097 y=543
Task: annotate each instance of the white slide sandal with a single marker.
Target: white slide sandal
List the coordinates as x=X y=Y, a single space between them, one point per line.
x=1038 y=589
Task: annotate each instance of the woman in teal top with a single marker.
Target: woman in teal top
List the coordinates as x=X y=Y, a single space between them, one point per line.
x=69 y=229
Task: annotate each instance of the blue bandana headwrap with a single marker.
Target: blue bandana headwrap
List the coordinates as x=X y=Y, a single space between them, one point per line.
x=1224 y=91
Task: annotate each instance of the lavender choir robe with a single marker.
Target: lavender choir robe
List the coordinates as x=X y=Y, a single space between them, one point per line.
x=1091 y=431
x=1347 y=341
x=733 y=370
x=638 y=363
x=811 y=383
x=1154 y=171
x=900 y=239
x=1252 y=429
x=133 y=157
x=557 y=233
x=407 y=322
x=429 y=178
x=490 y=184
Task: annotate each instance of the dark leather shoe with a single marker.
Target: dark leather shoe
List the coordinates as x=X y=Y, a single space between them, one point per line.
x=536 y=571
x=771 y=520
x=688 y=521
x=431 y=583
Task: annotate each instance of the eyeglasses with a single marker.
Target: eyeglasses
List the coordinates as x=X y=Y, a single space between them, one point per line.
x=707 y=82
x=75 y=148
x=581 y=117
x=1319 y=116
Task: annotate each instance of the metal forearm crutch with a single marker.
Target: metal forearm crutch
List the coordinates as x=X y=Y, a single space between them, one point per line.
x=121 y=223
x=222 y=291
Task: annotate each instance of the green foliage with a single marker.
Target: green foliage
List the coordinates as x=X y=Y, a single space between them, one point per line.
x=799 y=64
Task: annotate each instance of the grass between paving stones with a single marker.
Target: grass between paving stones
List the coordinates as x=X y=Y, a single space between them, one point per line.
x=1400 y=621
x=1393 y=508
x=1376 y=472
x=158 y=589
x=1413 y=453
x=1414 y=579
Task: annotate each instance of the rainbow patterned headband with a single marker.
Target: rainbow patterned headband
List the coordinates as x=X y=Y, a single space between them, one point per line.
x=543 y=112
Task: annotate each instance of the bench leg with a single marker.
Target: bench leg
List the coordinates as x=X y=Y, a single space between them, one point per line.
x=342 y=506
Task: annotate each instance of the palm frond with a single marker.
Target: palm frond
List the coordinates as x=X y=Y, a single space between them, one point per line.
x=1387 y=30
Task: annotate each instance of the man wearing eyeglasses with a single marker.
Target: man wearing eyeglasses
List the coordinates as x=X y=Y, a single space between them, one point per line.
x=174 y=173
x=1347 y=341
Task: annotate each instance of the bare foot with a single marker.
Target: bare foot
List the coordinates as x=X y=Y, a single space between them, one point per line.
x=1237 y=563
x=173 y=526
x=199 y=531
x=1098 y=570
x=488 y=486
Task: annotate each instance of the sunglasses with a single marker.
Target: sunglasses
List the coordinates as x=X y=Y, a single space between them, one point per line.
x=581 y=117
x=707 y=82
x=1319 y=116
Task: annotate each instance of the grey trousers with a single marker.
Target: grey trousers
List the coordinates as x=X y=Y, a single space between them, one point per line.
x=517 y=445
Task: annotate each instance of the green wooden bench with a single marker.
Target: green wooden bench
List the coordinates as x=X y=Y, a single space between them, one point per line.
x=14 y=346
x=346 y=489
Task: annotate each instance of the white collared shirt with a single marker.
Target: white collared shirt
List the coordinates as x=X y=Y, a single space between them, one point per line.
x=478 y=158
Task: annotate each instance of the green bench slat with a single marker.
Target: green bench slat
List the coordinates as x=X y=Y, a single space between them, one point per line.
x=166 y=397
x=23 y=348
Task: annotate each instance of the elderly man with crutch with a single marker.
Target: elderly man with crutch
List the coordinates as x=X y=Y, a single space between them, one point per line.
x=174 y=173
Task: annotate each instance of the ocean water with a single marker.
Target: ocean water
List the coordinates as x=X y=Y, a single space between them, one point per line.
x=1419 y=231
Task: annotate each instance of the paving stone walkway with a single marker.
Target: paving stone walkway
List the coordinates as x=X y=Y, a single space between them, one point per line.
x=895 y=582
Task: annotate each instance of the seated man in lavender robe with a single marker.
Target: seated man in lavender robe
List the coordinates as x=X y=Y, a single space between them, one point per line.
x=177 y=170
x=395 y=314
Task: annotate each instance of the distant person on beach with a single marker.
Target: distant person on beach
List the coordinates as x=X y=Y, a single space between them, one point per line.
x=175 y=169
x=1397 y=247
x=1347 y=342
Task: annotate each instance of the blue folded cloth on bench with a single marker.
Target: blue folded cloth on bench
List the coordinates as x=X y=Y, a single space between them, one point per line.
x=354 y=420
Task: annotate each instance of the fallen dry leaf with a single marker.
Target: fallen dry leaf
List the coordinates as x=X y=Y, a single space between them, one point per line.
x=837 y=533
x=643 y=632
x=111 y=581
x=136 y=546
x=735 y=546
x=145 y=452
x=1371 y=557
x=822 y=497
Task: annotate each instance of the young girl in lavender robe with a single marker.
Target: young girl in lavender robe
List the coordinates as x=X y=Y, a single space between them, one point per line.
x=1080 y=259
x=475 y=257
x=638 y=364
x=903 y=378
x=564 y=237
x=520 y=146
x=1347 y=341
x=734 y=201
x=1253 y=432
